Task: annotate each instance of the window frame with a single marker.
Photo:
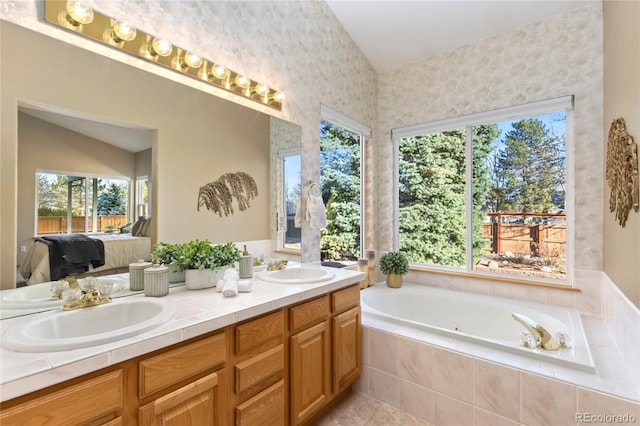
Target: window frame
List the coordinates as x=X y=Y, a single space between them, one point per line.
x=565 y=104
x=334 y=117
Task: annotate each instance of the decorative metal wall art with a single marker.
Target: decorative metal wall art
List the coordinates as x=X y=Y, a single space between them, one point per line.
x=218 y=195
x=622 y=171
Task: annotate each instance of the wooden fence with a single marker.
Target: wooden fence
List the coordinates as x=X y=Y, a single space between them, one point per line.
x=58 y=224
x=541 y=234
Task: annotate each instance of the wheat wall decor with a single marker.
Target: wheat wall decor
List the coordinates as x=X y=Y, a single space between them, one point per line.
x=622 y=171
x=218 y=196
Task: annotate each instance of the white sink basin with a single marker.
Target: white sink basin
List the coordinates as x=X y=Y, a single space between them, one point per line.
x=63 y=330
x=297 y=275
x=39 y=295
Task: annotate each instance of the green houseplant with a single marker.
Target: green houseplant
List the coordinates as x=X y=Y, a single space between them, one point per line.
x=167 y=253
x=394 y=265
x=205 y=262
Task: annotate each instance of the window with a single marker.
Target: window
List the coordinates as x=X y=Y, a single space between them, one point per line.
x=341 y=146
x=143 y=207
x=486 y=193
x=290 y=162
x=71 y=203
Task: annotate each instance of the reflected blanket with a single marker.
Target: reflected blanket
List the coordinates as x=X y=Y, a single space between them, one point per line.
x=72 y=254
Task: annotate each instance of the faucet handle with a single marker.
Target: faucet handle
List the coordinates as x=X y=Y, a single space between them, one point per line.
x=564 y=340
x=527 y=340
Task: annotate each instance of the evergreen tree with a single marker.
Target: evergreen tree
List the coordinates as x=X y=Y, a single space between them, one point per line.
x=112 y=201
x=530 y=169
x=340 y=183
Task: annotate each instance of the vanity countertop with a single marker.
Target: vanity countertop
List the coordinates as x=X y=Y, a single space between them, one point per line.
x=197 y=312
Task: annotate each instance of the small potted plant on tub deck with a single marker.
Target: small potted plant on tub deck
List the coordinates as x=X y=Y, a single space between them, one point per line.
x=394 y=265
x=205 y=262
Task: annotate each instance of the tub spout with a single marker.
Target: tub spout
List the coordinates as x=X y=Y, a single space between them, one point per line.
x=544 y=339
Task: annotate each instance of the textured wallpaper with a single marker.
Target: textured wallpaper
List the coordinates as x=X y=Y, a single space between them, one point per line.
x=297 y=47
x=557 y=57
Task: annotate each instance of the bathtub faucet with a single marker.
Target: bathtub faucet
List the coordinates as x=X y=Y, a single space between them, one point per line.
x=544 y=339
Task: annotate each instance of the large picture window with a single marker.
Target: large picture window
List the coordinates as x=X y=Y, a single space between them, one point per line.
x=75 y=204
x=487 y=193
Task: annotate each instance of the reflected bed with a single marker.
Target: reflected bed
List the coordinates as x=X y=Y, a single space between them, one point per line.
x=119 y=251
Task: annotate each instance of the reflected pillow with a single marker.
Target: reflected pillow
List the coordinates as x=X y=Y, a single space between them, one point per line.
x=136 y=226
x=145 y=229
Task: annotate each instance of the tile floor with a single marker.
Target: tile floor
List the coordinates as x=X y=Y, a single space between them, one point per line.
x=356 y=409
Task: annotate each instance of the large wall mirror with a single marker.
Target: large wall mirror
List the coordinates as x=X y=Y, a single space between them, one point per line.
x=69 y=110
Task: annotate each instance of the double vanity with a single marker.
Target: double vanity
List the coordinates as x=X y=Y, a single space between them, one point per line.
x=280 y=354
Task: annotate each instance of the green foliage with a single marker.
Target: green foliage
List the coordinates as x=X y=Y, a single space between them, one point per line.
x=394 y=262
x=201 y=254
x=529 y=170
x=166 y=253
x=112 y=201
x=340 y=183
x=51 y=211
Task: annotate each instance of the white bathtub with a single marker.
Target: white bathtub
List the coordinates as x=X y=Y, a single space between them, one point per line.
x=481 y=319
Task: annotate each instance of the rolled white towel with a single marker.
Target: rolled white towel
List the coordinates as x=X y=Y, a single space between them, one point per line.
x=230 y=273
x=230 y=288
x=244 y=286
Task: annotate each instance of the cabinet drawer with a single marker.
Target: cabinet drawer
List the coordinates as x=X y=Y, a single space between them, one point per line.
x=76 y=404
x=171 y=367
x=259 y=332
x=264 y=409
x=260 y=371
x=345 y=299
x=309 y=313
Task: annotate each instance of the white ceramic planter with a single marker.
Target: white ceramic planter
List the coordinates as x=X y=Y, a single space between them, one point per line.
x=196 y=279
x=176 y=275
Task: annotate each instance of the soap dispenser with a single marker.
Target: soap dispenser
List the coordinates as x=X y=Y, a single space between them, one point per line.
x=246 y=264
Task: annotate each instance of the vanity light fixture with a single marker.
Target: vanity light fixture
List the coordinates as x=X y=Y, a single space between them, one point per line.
x=78 y=17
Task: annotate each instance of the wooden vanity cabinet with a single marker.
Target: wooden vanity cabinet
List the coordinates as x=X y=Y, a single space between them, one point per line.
x=88 y=401
x=199 y=400
x=259 y=391
x=325 y=351
x=284 y=367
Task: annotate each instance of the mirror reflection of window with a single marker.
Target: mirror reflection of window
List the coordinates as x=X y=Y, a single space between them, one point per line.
x=78 y=204
x=142 y=196
x=291 y=187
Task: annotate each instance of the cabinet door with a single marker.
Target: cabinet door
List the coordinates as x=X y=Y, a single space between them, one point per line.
x=310 y=371
x=197 y=403
x=347 y=348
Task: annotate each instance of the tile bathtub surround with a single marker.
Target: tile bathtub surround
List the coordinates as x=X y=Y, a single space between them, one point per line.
x=454 y=388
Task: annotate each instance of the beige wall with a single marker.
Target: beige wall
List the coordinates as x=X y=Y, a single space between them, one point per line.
x=45 y=146
x=199 y=137
x=621 y=246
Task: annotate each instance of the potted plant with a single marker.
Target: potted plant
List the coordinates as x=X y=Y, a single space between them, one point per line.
x=167 y=253
x=394 y=265
x=205 y=262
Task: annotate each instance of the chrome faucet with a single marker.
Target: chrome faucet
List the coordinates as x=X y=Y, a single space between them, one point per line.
x=543 y=338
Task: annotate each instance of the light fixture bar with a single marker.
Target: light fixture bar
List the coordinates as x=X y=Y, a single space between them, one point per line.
x=79 y=18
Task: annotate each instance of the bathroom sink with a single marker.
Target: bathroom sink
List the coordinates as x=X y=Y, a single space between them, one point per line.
x=296 y=275
x=63 y=330
x=39 y=295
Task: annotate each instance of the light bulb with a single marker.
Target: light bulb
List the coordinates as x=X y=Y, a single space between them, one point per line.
x=192 y=60
x=262 y=90
x=219 y=72
x=161 y=46
x=279 y=97
x=242 y=81
x=124 y=31
x=79 y=12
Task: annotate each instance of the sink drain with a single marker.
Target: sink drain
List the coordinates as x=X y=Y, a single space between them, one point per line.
x=457 y=328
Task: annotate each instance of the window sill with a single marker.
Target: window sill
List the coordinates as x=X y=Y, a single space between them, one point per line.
x=503 y=279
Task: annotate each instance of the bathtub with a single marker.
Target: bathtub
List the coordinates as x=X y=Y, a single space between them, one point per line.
x=480 y=319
